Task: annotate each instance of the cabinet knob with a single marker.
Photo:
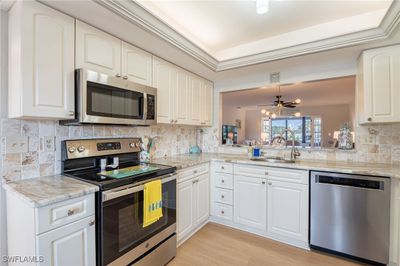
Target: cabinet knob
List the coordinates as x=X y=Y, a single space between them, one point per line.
x=222 y=212
x=263 y=182
x=118 y=75
x=172 y=121
x=195 y=171
x=91 y=223
x=125 y=77
x=71 y=113
x=71 y=212
x=222 y=196
x=266 y=173
x=222 y=181
x=369 y=119
x=223 y=168
x=270 y=183
x=176 y=121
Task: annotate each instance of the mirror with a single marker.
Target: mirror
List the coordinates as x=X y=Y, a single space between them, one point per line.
x=314 y=111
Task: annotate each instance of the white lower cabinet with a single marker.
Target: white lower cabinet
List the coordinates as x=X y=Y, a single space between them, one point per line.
x=288 y=210
x=193 y=197
x=73 y=244
x=269 y=201
x=250 y=204
x=49 y=236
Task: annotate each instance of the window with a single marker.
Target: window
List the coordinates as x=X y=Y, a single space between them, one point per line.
x=307 y=130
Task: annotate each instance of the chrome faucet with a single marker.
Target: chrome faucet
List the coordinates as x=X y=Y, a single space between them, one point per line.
x=294 y=152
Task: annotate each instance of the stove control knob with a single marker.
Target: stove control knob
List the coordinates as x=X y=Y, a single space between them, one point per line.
x=71 y=149
x=132 y=145
x=81 y=148
x=138 y=144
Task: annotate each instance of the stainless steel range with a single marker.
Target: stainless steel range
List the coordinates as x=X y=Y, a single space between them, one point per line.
x=121 y=237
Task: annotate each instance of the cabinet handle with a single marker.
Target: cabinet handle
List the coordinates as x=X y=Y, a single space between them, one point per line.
x=222 y=196
x=71 y=113
x=91 y=223
x=172 y=121
x=118 y=75
x=369 y=119
x=125 y=77
x=222 y=212
x=71 y=212
x=222 y=181
x=263 y=182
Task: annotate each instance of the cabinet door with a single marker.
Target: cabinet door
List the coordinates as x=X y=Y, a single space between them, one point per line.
x=195 y=100
x=41 y=62
x=288 y=210
x=206 y=103
x=97 y=50
x=382 y=84
x=164 y=81
x=202 y=198
x=73 y=244
x=185 y=208
x=137 y=65
x=181 y=104
x=250 y=201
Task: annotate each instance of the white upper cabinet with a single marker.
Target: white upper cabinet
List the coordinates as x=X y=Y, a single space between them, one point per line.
x=97 y=50
x=41 y=62
x=206 y=103
x=183 y=98
x=378 y=85
x=195 y=101
x=181 y=104
x=136 y=65
x=250 y=201
x=164 y=81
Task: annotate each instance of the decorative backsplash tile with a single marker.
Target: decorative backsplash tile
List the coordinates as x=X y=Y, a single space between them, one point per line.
x=32 y=148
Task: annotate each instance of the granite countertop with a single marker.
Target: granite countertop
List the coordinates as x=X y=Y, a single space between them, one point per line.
x=42 y=191
x=187 y=160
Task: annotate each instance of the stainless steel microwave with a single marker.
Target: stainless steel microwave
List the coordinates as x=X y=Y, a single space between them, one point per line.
x=103 y=99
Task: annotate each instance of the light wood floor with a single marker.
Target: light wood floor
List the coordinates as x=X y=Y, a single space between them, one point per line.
x=219 y=245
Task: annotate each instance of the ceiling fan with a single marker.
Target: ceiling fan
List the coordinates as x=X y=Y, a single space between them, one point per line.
x=279 y=104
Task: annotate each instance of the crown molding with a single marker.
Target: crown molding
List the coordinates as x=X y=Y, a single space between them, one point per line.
x=135 y=13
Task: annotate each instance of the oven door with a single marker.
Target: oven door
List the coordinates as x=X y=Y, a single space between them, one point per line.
x=109 y=100
x=124 y=237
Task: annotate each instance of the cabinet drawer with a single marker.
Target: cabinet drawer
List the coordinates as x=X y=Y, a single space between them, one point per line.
x=59 y=214
x=221 y=167
x=250 y=170
x=288 y=175
x=223 y=180
x=223 y=196
x=223 y=211
x=188 y=173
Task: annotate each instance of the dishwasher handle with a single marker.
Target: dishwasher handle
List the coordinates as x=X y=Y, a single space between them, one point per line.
x=350 y=182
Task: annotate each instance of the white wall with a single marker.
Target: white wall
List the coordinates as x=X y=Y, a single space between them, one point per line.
x=3 y=108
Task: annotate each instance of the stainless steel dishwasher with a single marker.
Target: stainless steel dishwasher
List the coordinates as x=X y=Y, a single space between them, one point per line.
x=350 y=215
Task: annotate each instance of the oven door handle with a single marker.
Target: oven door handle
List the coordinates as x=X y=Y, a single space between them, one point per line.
x=117 y=193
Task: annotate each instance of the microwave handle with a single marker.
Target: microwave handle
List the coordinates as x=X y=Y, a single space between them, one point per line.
x=144 y=106
x=113 y=194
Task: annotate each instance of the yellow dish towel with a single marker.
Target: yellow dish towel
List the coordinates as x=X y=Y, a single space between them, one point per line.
x=152 y=209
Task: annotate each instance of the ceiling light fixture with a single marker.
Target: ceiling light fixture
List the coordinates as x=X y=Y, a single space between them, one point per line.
x=279 y=105
x=261 y=6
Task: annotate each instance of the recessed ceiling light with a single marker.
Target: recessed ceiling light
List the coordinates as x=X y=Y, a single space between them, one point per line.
x=261 y=6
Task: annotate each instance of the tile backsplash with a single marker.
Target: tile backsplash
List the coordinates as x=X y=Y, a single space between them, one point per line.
x=32 y=148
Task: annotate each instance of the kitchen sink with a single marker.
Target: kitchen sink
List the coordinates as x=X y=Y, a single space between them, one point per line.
x=273 y=159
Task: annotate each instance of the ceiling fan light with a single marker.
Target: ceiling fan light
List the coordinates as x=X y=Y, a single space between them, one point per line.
x=297 y=101
x=261 y=6
x=297 y=114
x=263 y=111
x=273 y=115
x=267 y=113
